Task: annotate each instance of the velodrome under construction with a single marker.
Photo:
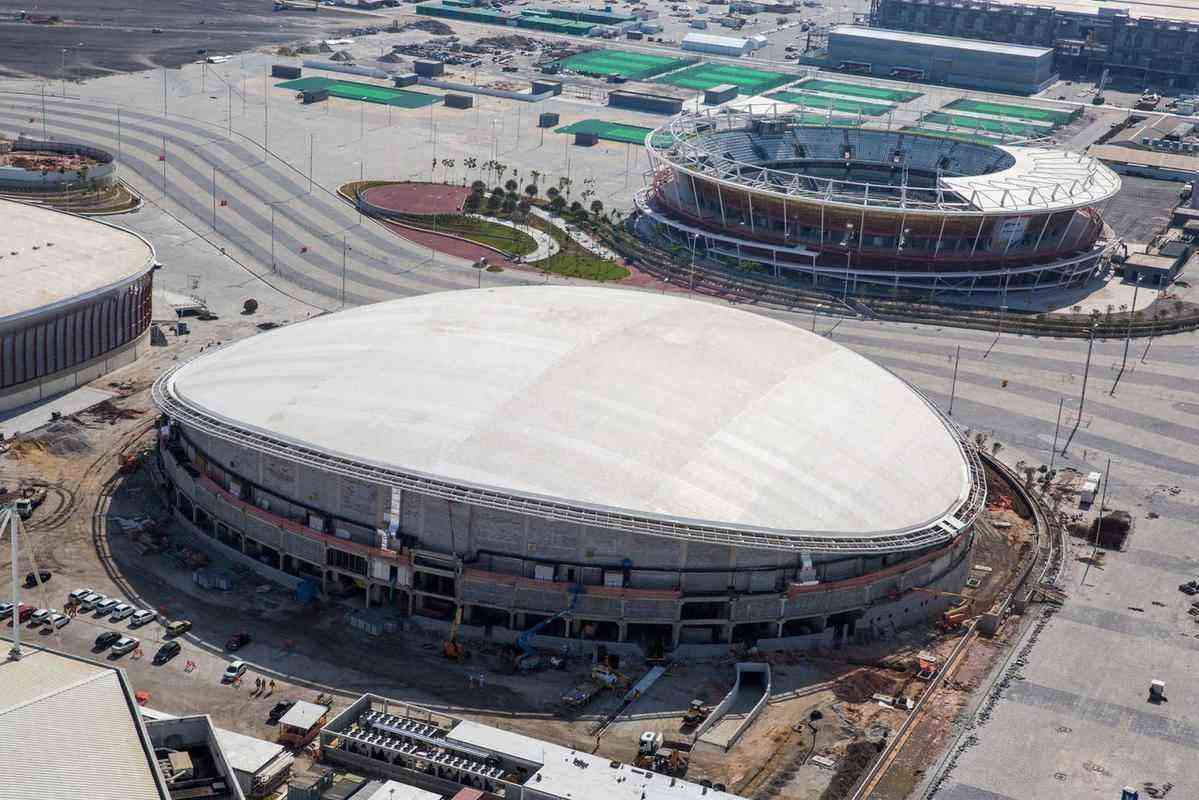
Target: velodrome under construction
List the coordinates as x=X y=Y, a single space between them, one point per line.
x=517 y=452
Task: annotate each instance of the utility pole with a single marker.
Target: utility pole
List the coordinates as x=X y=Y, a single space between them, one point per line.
x=266 y=115
x=214 y=197
x=953 y=387
x=343 y=270
x=45 y=137
x=1107 y=480
x=310 y=163
x=1053 y=452
x=1083 y=397
x=164 y=167
x=120 y=154
x=1127 y=335
x=11 y=520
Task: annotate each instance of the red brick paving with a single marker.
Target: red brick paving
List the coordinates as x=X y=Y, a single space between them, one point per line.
x=418 y=198
x=447 y=244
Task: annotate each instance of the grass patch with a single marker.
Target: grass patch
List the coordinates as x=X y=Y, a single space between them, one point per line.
x=481 y=231
x=573 y=260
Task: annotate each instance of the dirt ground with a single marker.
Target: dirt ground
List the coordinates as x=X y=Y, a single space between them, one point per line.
x=87 y=533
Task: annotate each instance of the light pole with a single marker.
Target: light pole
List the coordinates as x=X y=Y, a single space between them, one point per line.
x=310 y=162
x=1083 y=396
x=953 y=387
x=214 y=197
x=1127 y=334
x=63 y=73
x=1057 y=427
x=9 y=519
x=44 y=135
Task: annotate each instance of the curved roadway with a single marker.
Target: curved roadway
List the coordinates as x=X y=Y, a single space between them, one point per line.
x=315 y=233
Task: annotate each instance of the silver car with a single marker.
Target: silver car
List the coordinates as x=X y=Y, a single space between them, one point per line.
x=141 y=617
x=106 y=606
x=126 y=644
x=121 y=611
x=89 y=602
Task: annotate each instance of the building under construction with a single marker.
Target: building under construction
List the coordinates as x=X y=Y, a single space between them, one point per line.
x=1141 y=42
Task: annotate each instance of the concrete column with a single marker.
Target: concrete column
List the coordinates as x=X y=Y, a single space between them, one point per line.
x=675 y=630
x=622 y=631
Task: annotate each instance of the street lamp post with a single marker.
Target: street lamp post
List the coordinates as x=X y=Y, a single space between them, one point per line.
x=1083 y=396
x=1127 y=334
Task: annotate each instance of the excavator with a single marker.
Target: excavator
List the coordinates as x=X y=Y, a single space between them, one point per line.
x=527 y=658
x=451 y=648
x=955 y=616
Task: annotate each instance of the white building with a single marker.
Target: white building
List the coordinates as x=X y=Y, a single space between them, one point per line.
x=719 y=45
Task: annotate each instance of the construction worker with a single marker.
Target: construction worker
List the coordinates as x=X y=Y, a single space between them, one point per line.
x=272 y=685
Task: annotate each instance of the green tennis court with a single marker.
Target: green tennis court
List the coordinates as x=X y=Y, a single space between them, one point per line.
x=858 y=90
x=1030 y=113
x=705 y=76
x=821 y=119
x=614 y=132
x=631 y=66
x=961 y=136
x=366 y=92
x=835 y=103
x=983 y=124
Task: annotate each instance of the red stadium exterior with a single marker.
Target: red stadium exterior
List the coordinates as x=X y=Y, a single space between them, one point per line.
x=877 y=211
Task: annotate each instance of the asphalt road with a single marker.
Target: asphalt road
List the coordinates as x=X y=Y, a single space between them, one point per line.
x=104 y=36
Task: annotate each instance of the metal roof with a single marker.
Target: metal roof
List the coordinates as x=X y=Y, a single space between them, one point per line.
x=69 y=728
x=303 y=715
x=617 y=409
x=48 y=258
x=714 y=40
x=933 y=40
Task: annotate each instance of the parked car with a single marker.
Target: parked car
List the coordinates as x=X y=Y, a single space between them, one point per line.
x=1190 y=587
x=126 y=644
x=40 y=616
x=279 y=710
x=179 y=627
x=106 y=639
x=141 y=617
x=24 y=612
x=233 y=671
x=89 y=602
x=121 y=611
x=78 y=595
x=168 y=651
x=42 y=576
x=57 y=620
x=5 y=610
x=237 y=641
x=105 y=607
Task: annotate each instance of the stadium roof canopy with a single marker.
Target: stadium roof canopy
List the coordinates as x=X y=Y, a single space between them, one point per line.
x=629 y=402
x=48 y=257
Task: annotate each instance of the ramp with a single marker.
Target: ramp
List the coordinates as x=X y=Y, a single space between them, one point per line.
x=740 y=707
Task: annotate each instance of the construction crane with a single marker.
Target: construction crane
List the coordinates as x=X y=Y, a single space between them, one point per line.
x=451 y=647
x=527 y=658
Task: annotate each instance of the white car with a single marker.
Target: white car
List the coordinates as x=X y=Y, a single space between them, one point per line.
x=78 y=595
x=126 y=644
x=234 y=670
x=57 y=620
x=106 y=606
x=41 y=615
x=5 y=610
x=141 y=617
x=89 y=601
x=121 y=611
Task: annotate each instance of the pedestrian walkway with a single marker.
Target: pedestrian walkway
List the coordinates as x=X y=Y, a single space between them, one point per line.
x=546 y=246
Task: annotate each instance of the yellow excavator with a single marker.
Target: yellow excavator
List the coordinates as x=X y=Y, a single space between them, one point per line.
x=451 y=648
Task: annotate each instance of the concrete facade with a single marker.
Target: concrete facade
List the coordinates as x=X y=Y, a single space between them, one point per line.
x=974 y=64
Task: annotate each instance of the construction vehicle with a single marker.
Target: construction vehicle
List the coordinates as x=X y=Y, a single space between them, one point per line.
x=694 y=716
x=953 y=617
x=526 y=658
x=665 y=760
x=928 y=665
x=451 y=648
x=602 y=677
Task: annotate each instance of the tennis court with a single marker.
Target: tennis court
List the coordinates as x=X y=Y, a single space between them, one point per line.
x=835 y=103
x=631 y=66
x=1029 y=113
x=977 y=138
x=983 y=124
x=366 y=92
x=858 y=90
x=615 y=132
x=705 y=76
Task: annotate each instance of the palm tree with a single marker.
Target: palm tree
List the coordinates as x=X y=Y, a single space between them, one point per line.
x=597 y=207
x=536 y=176
x=531 y=190
x=511 y=186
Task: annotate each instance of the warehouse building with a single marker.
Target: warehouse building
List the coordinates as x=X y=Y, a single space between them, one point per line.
x=1143 y=41
x=458 y=758
x=969 y=63
x=716 y=45
x=76 y=302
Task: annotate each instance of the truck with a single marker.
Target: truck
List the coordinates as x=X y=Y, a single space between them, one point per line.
x=601 y=678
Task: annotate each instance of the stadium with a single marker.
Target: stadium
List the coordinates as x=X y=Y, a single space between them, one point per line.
x=76 y=302
x=665 y=470
x=883 y=212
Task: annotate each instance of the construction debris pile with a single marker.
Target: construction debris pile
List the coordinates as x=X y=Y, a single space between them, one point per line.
x=1109 y=531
